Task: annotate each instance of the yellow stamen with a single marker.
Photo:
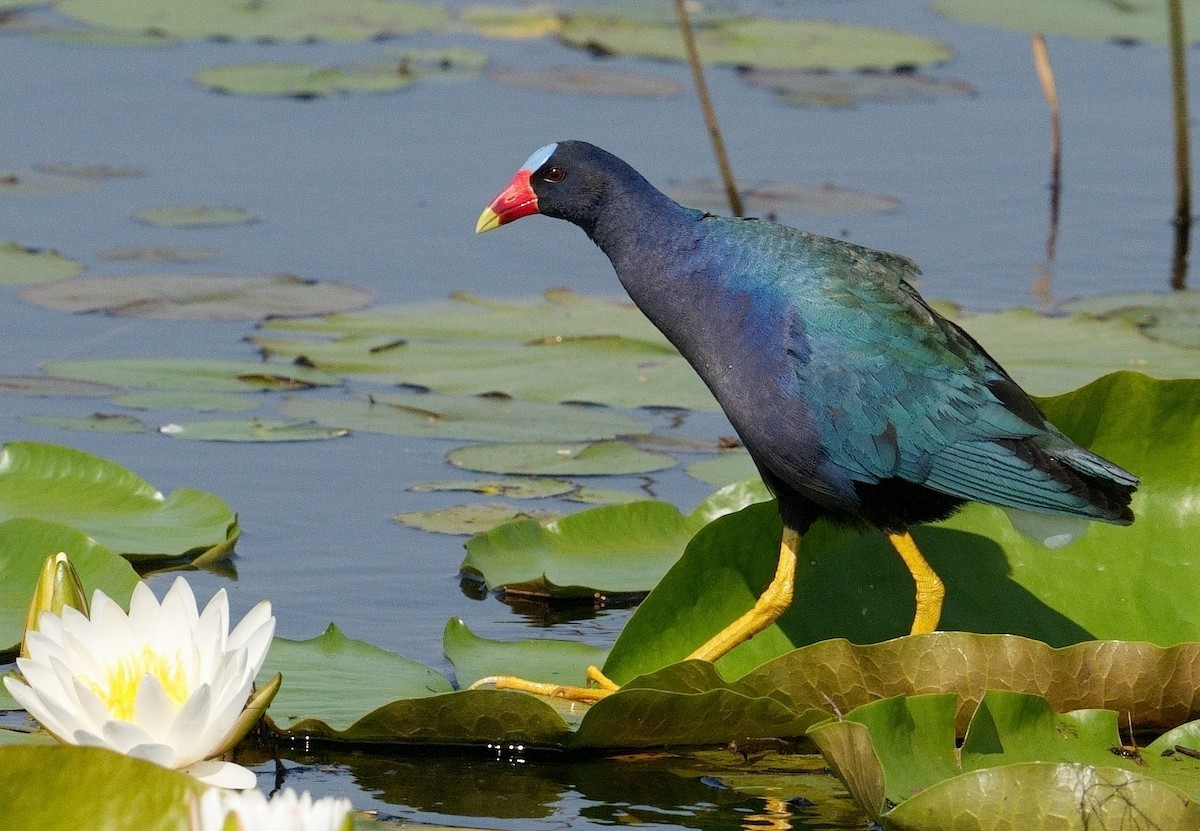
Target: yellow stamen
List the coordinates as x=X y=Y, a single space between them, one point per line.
x=118 y=689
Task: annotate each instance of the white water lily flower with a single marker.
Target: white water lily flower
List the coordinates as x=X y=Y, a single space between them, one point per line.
x=251 y=811
x=163 y=683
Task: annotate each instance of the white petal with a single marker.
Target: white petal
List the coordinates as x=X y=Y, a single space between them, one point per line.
x=90 y=711
x=44 y=680
x=152 y=710
x=257 y=641
x=50 y=713
x=160 y=754
x=123 y=736
x=256 y=617
x=222 y=774
x=179 y=604
x=190 y=732
x=213 y=624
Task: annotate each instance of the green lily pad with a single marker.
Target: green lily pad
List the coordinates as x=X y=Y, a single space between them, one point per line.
x=602 y=458
x=533 y=21
x=113 y=505
x=253 y=430
x=200 y=401
x=605 y=496
x=24 y=546
x=286 y=20
x=771 y=198
x=610 y=550
x=191 y=375
x=326 y=688
x=41 y=385
x=853 y=585
x=161 y=254
x=899 y=760
x=66 y=788
x=105 y=37
x=724 y=469
x=20 y=183
x=552 y=661
x=1126 y=20
x=524 y=487
x=589 y=81
x=848 y=89
x=303 y=80
x=755 y=41
x=19 y=264
x=464 y=417
x=198 y=296
x=96 y=422
x=1172 y=318
x=195 y=216
x=466 y=520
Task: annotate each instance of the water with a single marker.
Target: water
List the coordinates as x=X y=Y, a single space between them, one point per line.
x=383 y=191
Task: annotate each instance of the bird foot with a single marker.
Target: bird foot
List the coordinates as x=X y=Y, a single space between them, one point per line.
x=604 y=686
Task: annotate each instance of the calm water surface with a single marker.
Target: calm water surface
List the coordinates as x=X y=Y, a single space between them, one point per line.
x=383 y=191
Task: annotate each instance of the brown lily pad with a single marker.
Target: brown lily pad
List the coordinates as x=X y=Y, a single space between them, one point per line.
x=847 y=89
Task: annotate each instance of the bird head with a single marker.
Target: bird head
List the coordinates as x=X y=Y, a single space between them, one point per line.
x=566 y=180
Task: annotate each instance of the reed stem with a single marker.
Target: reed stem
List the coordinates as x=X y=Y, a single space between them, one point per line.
x=1045 y=72
x=1183 y=185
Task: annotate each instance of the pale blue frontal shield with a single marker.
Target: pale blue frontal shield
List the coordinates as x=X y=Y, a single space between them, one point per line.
x=539 y=157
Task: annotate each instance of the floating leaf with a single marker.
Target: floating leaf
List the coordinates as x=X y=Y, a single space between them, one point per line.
x=605 y=496
x=19 y=264
x=552 y=661
x=161 y=254
x=1020 y=765
x=253 y=430
x=724 y=469
x=610 y=550
x=1173 y=318
x=40 y=385
x=302 y=80
x=67 y=788
x=755 y=41
x=514 y=24
x=771 y=198
x=24 y=546
x=195 y=216
x=484 y=418
x=524 y=487
x=589 y=80
x=332 y=680
x=192 y=375
x=203 y=402
x=848 y=89
x=19 y=183
x=286 y=20
x=112 y=505
x=198 y=296
x=105 y=37
x=469 y=519
x=1126 y=20
x=89 y=171
x=96 y=422
x=603 y=458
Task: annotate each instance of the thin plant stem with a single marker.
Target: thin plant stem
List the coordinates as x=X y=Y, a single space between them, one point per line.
x=710 y=115
x=1045 y=72
x=1183 y=186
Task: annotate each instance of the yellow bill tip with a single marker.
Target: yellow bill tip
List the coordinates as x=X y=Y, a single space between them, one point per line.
x=488 y=220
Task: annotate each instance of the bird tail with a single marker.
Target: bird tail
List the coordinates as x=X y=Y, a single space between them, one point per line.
x=1105 y=488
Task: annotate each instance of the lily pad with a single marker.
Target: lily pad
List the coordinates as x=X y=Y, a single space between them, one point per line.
x=755 y=41
x=531 y=21
x=724 y=469
x=113 y=505
x=609 y=550
x=848 y=89
x=200 y=401
x=1172 y=318
x=285 y=20
x=191 y=375
x=552 y=661
x=66 y=788
x=524 y=487
x=602 y=458
x=105 y=37
x=41 y=385
x=20 y=183
x=466 y=520
x=589 y=81
x=195 y=216
x=326 y=687
x=772 y=198
x=19 y=264
x=1126 y=20
x=198 y=296
x=24 y=546
x=605 y=496
x=161 y=254
x=302 y=80
x=89 y=171
x=253 y=430
x=96 y=422
x=899 y=760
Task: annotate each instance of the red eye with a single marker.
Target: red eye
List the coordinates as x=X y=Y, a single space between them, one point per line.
x=554 y=174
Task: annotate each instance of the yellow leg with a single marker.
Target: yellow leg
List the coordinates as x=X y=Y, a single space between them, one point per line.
x=930 y=590
x=770 y=605
x=766 y=610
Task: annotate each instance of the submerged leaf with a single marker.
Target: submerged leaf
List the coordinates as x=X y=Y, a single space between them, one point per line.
x=589 y=80
x=195 y=216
